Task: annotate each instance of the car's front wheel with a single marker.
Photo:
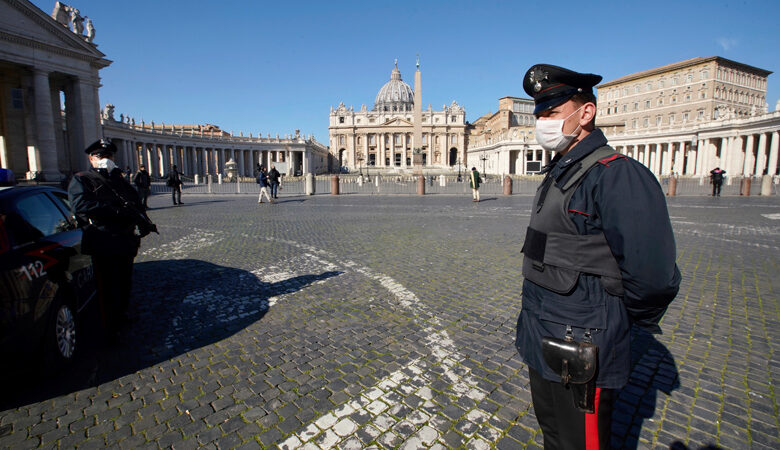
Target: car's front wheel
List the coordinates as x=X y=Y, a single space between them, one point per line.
x=62 y=333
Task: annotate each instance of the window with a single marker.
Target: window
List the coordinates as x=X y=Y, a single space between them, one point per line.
x=674 y=99
x=636 y=106
x=649 y=86
x=42 y=217
x=689 y=78
x=637 y=89
x=424 y=139
x=685 y=117
x=671 y=119
x=705 y=74
x=660 y=101
x=658 y=121
x=701 y=115
x=633 y=124
x=359 y=140
x=703 y=94
x=397 y=139
x=341 y=140
x=661 y=84
x=625 y=108
x=647 y=104
x=371 y=139
x=646 y=122
x=358 y=121
x=454 y=139
x=341 y=120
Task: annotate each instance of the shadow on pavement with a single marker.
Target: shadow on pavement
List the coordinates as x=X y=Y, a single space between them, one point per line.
x=176 y=306
x=653 y=369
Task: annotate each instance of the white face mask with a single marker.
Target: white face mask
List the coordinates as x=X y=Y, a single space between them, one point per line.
x=549 y=133
x=105 y=163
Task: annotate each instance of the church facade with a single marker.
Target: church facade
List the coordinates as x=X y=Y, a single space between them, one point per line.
x=383 y=137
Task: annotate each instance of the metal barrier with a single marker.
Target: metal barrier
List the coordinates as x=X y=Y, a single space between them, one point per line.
x=407 y=185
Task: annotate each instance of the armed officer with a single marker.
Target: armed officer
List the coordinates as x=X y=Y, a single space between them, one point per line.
x=599 y=257
x=113 y=220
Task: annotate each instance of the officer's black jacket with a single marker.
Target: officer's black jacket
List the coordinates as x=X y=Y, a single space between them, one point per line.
x=111 y=222
x=622 y=199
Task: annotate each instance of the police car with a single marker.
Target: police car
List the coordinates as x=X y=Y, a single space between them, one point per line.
x=45 y=281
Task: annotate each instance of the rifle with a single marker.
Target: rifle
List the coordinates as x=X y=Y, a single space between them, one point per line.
x=145 y=225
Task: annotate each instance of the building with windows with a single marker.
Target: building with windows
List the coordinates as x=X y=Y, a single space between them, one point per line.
x=49 y=80
x=696 y=90
x=383 y=137
x=684 y=118
x=503 y=142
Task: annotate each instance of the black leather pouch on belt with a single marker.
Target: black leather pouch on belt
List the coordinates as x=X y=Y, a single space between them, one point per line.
x=576 y=363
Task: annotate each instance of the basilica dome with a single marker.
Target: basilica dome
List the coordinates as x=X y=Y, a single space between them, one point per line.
x=395 y=95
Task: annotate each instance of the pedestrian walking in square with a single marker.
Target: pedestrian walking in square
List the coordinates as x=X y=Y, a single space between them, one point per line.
x=474 y=182
x=716 y=178
x=142 y=183
x=262 y=180
x=273 y=181
x=174 y=182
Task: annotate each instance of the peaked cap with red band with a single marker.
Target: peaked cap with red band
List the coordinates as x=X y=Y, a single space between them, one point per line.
x=551 y=85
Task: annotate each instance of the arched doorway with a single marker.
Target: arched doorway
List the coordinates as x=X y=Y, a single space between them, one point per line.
x=341 y=159
x=453 y=156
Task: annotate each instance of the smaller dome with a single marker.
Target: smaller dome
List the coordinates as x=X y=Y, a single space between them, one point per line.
x=395 y=95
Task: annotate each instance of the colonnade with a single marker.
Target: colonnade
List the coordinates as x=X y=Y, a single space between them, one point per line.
x=194 y=159
x=385 y=149
x=204 y=155
x=739 y=154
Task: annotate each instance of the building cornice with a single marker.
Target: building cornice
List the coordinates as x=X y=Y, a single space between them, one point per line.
x=681 y=65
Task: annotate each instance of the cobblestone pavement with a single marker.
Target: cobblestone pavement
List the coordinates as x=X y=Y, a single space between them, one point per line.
x=359 y=321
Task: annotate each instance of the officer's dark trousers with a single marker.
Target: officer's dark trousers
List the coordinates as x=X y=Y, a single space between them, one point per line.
x=113 y=280
x=563 y=425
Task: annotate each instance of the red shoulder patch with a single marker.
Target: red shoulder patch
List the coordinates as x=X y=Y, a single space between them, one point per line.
x=609 y=159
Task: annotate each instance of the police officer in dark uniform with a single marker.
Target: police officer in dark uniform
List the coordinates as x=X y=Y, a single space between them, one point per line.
x=113 y=221
x=599 y=257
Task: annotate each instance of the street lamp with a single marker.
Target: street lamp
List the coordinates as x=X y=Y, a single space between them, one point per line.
x=360 y=164
x=483 y=158
x=459 y=177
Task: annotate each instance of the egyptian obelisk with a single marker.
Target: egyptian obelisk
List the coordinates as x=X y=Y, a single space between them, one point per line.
x=417 y=149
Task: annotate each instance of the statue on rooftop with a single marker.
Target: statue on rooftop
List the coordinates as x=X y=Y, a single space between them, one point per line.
x=90 y=30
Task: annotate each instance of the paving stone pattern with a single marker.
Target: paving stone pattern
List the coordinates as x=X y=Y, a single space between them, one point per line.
x=389 y=322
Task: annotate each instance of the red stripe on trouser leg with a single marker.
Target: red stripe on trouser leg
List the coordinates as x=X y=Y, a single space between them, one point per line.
x=592 y=426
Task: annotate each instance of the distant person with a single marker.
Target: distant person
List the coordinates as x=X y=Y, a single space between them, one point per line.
x=143 y=183
x=262 y=180
x=716 y=178
x=474 y=181
x=128 y=173
x=174 y=182
x=273 y=181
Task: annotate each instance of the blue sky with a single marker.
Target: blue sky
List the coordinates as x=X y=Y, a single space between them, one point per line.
x=274 y=67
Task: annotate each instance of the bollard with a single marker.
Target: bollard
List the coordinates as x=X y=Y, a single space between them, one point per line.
x=208 y=180
x=442 y=181
x=420 y=185
x=766 y=185
x=197 y=177
x=334 y=185
x=219 y=179
x=310 y=184
x=507 y=185
x=672 y=186
x=745 y=187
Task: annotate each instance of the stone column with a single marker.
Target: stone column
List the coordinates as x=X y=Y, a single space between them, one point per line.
x=761 y=154
x=43 y=157
x=737 y=156
x=679 y=158
x=87 y=120
x=750 y=159
x=773 y=149
x=690 y=167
